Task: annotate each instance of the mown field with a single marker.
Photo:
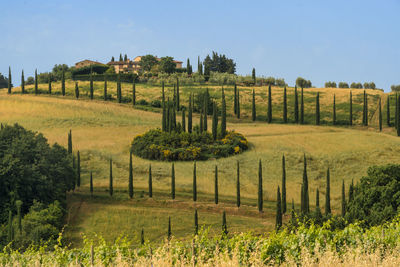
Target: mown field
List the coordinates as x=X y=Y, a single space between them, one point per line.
x=103 y=130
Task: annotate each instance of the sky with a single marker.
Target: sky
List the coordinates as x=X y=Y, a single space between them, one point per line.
x=349 y=40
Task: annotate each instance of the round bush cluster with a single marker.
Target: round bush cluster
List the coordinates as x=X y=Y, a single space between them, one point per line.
x=158 y=145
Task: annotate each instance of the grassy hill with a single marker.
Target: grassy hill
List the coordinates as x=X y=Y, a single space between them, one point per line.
x=103 y=130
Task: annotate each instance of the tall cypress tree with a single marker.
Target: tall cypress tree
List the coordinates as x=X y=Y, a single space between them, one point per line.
x=351 y=191
x=36 y=83
x=283 y=184
x=318 y=213
x=253 y=107
x=334 y=110
x=351 y=109
x=18 y=203
x=328 y=193
x=235 y=99
x=9 y=80
x=91 y=84
x=302 y=106
x=366 y=109
x=63 y=82
x=238 y=104
x=343 y=200
x=305 y=205
x=91 y=184
x=205 y=112
x=398 y=114
x=317 y=114
x=237 y=184
x=133 y=92
x=216 y=185
x=388 y=111
x=201 y=121
x=269 y=114
x=296 y=106
x=49 y=84
x=173 y=181
x=260 y=188
x=130 y=185
x=215 y=122
x=23 y=82
x=278 y=223
x=168 y=122
x=70 y=142
x=380 y=115
x=177 y=94
x=169 y=234
x=150 y=183
x=284 y=106
x=142 y=237
x=10 y=227
x=224 y=225
x=119 y=97
x=78 y=180
x=194 y=182
x=74 y=168
x=190 y=114
x=196 y=222
x=253 y=75
x=164 y=115
x=223 y=115
x=111 y=188
x=184 y=120
x=76 y=90
x=105 y=88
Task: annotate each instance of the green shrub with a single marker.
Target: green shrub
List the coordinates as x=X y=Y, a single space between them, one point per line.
x=142 y=102
x=158 y=145
x=156 y=103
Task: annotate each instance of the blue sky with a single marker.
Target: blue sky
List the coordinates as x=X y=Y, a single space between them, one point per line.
x=318 y=40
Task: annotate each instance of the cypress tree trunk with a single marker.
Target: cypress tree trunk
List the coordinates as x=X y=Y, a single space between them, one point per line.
x=134 y=92
x=284 y=106
x=296 y=106
x=351 y=191
x=343 y=200
x=78 y=180
x=253 y=107
x=215 y=122
x=63 y=83
x=190 y=114
x=194 y=182
x=283 y=184
x=173 y=181
x=150 y=183
x=380 y=115
x=105 y=88
x=305 y=205
x=76 y=90
x=351 y=109
x=119 y=88
x=216 y=185
x=23 y=82
x=224 y=225
x=317 y=115
x=260 y=187
x=169 y=228
x=70 y=142
x=130 y=185
x=334 y=110
x=91 y=184
x=238 y=104
x=366 y=109
x=91 y=85
x=183 y=120
x=173 y=110
x=396 y=114
x=269 y=115
x=111 y=189
x=328 y=193
x=317 y=199
x=388 y=111
x=36 y=84
x=18 y=203
x=223 y=116
x=205 y=128
x=49 y=86
x=177 y=95
x=142 y=237
x=164 y=119
x=278 y=223
x=196 y=222
x=237 y=184
x=235 y=99
x=9 y=80
x=302 y=107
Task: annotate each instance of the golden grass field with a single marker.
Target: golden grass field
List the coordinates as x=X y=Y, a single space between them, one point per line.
x=103 y=130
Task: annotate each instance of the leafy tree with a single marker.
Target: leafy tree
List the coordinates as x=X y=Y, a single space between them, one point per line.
x=130 y=185
x=328 y=193
x=334 y=110
x=216 y=185
x=36 y=83
x=9 y=80
x=330 y=85
x=224 y=225
x=302 y=106
x=219 y=63
x=91 y=184
x=278 y=223
x=253 y=75
x=78 y=173
x=150 y=183
x=269 y=114
x=303 y=83
x=253 y=107
x=223 y=115
x=237 y=184
x=147 y=62
x=76 y=90
x=370 y=85
x=296 y=106
x=317 y=114
x=351 y=109
x=285 y=120
x=260 y=187
x=394 y=88
x=194 y=182
x=3 y=81
x=173 y=181
x=356 y=85
x=343 y=85
x=196 y=222
x=22 y=82
x=283 y=184
x=167 y=65
x=111 y=180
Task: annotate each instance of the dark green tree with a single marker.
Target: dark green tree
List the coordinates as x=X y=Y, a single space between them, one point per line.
x=253 y=75
x=285 y=120
x=130 y=184
x=184 y=120
x=224 y=225
x=70 y=142
x=76 y=90
x=328 y=193
x=253 y=107
x=142 y=237
x=302 y=106
x=260 y=187
x=343 y=200
x=36 y=83
x=190 y=114
x=317 y=111
x=398 y=114
x=238 y=104
x=351 y=109
x=23 y=82
x=18 y=203
x=164 y=115
x=216 y=185
x=380 y=114
x=150 y=183
x=49 y=85
x=278 y=223
x=351 y=191
x=194 y=182
x=223 y=115
x=173 y=181
x=318 y=214
x=91 y=184
x=119 y=96
x=235 y=99
x=9 y=80
x=133 y=92
x=111 y=179
x=196 y=222
x=296 y=106
x=105 y=88
x=201 y=121
x=91 y=85
x=189 y=68
x=269 y=114
x=388 y=111
x=120 y=57
x=63 y=82
x=177 y=95
x=215 y=122
x=305 y=205
x=237 y=184
x=364 y=110
x=169 y=228
x=205 y=127
x=10 y=227
x=78 y=172
x=334 y=110
x=283 y=184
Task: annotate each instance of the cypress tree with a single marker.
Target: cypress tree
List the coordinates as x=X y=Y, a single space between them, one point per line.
x=78 y=180
x=398 y=113
x=150 y=183
x=278 y=223
x=10 y=227
x=216 y=185
x=190 y=114
x=351 y=191
x=130 y=185
x=91 y=184
x=173 y=182
x=269 y=115
x=201 y=121
x=23 y=82
x=164 y=119
x=302 y=106
x=317 y=115
x=168 y=117
x=343 y=200
x=183 y=120
x=133 y=92
x=366 y=109
x=293 y=214
x=253 y=107
x=177 y=95
x=205 y=128
x=173 y=110
x=223 y=115
x=318 y=213
x=91 y=85
x=196 y=222
x=328 y=193
x=305 y=205
x=284 y=106
x=49 y=85
x=120 y=57
x=283 y=184
x=317 y=199
x=388 y=111
x=194 y=182
x=238 y=104
x=74 y=168
x=70 y=142
x=169 y=228
x=215 y=122
x=296 y=106
x=260 y=187
x=351 y=109
x=36 y=83
x=380 y=115
x=18 y=203
x=63 y=82
x=142 y=237
x=237 y=184
x=302 y=202
x=235 y=99
x=334 y=110
x=111 y=179
x=9 y=80
x=76 y=90
x=224 y=225
x=105 y=88
x=253 y=75
x=119 y=97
